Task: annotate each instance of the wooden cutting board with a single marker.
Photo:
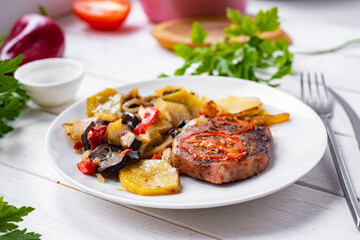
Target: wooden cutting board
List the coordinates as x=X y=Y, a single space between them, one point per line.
x=177 y=31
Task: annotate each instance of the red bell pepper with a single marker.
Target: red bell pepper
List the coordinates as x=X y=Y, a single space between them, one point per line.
x=86 y=166
x=157 y=155
x=78 y=146
x=123 y=153
x=35 y=37
x=149 y=118
x=95 y=135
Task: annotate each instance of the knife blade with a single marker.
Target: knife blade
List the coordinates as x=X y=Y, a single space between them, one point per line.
x=354 y=118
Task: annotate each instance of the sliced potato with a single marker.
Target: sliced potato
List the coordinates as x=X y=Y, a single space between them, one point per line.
x=75 y=128
x=166 y=143
x=150 y=138
x=192 y=102
x=106 y=105
x=166 y=155
x=113 y=131
x=163 y=126
x=239 y=106
x=174 y=112
x=168 y=89
x=150 y=177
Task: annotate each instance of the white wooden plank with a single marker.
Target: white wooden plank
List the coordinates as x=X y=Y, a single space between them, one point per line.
x=64 y=213
x=293 y=213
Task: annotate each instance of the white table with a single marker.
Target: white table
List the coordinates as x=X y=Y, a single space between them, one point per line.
x=312 y=208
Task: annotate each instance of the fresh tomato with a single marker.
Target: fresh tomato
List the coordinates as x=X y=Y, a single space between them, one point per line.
x=95 y=135
x=231 y=124
x=102 y=14
x=86 y=166
x=149 y=117
x=215 y=146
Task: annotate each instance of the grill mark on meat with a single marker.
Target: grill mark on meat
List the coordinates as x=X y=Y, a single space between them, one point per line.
x=257 y=145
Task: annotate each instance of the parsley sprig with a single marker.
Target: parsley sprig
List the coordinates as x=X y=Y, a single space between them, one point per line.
x=12 y=96
x=9 y=215
x=258 y=59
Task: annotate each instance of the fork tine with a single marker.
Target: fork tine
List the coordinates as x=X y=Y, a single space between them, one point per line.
x=309 y=86
x=326 y=88
x=302 y=86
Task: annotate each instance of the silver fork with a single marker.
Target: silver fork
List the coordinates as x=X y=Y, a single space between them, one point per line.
x=315 y=94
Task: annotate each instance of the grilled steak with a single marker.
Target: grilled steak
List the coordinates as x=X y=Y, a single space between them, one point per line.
x=255 y=141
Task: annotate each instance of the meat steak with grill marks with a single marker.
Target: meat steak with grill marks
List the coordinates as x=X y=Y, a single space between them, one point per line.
x=255 y=141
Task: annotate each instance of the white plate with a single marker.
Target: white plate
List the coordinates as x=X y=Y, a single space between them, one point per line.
x=298 y=145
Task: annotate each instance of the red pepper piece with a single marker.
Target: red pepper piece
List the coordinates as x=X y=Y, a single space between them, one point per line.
x=86 y=166
x=157 y=155
x=149 y=118
x=78 y=146
x=35 y=37
x=95 y=135
x=123 y=153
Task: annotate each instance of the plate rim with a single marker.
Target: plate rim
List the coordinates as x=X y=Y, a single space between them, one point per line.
x=142 y=203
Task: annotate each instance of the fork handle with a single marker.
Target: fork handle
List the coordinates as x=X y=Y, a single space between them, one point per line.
x=342 y=173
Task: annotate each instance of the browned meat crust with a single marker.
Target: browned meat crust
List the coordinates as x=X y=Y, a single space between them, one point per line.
x=257 y=145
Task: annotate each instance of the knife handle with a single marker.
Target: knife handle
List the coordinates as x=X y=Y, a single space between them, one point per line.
x=342 y=173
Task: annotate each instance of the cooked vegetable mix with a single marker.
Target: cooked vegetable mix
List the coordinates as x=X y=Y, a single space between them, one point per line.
x=132 y=135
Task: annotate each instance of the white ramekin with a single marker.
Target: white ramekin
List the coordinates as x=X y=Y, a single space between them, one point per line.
x=51 y=82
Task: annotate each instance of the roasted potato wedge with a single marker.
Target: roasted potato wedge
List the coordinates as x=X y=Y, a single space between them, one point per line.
x=168 y=89
x=75 y=128
x=150 y=138
x=191 y=102
x=239 y=106
x=150 y=177
x=163 y=126
x=174 y=112
x=272 y=119
x=166 y=143
x=106 y=105
x=113 y=131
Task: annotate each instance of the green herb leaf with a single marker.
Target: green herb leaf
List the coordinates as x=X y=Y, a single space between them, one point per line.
x=233 y=31
x=267 y=21
x=248 y=27
x=198 y=34
x=234 y=15
x=162 y=75
x=10 y=214
x=12 y=96
x=255 y=60
x=20 y=235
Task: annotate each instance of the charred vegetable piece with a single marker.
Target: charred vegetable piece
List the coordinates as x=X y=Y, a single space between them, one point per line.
x=114 y=130
x=106 y=105
x=192 y=102
x=87 y=166
x=129 y=140
x=174 y=112
x=75 y=128
x=173 y=132
x=130 y=119
x=181 y=124
x=95 y=135
x=111 y=158
x=84 y=140
x=150 y=116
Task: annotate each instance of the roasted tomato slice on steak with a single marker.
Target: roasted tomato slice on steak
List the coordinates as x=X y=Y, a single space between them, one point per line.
x=215 y=146
x=231 y=124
